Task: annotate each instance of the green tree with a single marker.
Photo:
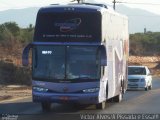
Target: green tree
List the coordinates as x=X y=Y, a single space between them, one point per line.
x=26 y=35
x=145 y=43
x=12 y=27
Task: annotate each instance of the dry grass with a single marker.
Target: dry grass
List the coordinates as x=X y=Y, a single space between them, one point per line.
x=152 y=62
x=12 y=74
x=12 y=92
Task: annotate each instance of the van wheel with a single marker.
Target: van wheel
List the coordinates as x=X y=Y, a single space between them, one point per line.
x=150 y=87
x=46 y=106
x=101 y=105
x=146 y=88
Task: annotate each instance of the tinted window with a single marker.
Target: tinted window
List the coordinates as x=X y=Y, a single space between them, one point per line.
x=56 y=63
x=82 y=63
x=76 y=27
x=136 y=71
x=48 y=62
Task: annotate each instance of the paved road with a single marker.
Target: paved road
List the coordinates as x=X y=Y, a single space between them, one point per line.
x=139 y=101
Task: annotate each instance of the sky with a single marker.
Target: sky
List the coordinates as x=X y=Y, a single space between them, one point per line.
x=149 y=5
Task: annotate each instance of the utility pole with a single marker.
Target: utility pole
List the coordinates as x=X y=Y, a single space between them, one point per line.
x=114 y=4
x=79 y=1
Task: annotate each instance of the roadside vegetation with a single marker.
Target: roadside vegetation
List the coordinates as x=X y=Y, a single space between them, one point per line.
x=145 y=44
x=13 y=39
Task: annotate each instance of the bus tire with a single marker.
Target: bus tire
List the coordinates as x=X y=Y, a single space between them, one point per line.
x=123 y=87
x=101 y=105
x=79 y=106
x=106 y=91
x=119 y=97
x=46 y=106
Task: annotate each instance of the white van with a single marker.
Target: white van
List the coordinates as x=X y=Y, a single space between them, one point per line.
x=139 y=77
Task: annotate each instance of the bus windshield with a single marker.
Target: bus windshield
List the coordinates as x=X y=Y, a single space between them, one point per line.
x=48 y=62
x=65 y=62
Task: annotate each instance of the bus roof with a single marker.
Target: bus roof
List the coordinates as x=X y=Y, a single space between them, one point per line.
x=74 y=7
x=85 y=7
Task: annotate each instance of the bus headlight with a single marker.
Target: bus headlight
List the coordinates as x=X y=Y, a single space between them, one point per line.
x=40 y=89
x=91 y=90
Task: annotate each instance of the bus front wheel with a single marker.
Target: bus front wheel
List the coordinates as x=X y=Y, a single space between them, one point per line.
x=101 y=105
x=46 y=106
x=119 y=97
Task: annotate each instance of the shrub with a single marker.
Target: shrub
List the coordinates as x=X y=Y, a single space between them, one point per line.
x=11 y=74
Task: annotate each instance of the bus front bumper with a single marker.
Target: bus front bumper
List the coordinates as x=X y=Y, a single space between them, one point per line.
x=83 y=98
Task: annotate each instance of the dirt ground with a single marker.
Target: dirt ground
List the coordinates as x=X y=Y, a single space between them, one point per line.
x=152 y=62
x=14 y=92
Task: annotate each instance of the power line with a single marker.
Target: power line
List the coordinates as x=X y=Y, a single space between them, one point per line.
x=137 y=3
x=114 y=3
x=149 y=16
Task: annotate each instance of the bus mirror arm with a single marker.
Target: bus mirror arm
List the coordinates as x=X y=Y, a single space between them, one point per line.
x=103 y=62
x=25 y=55
x=103 y=57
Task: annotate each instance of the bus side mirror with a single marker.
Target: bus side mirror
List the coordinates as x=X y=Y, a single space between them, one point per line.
x=103 y=55
x=25 y=55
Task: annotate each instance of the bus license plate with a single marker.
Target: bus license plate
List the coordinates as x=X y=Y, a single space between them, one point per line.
x=64 y=98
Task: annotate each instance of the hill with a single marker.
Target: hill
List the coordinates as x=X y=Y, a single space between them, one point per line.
x=23 y=17
x=138 y=18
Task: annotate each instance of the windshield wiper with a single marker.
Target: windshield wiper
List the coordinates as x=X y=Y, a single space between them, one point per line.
x=83 y=77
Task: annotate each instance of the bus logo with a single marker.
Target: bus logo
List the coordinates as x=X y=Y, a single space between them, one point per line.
x=44 y=52
x=68 y=25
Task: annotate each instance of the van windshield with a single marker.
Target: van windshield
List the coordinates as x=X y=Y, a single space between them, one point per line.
x=136 y=71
